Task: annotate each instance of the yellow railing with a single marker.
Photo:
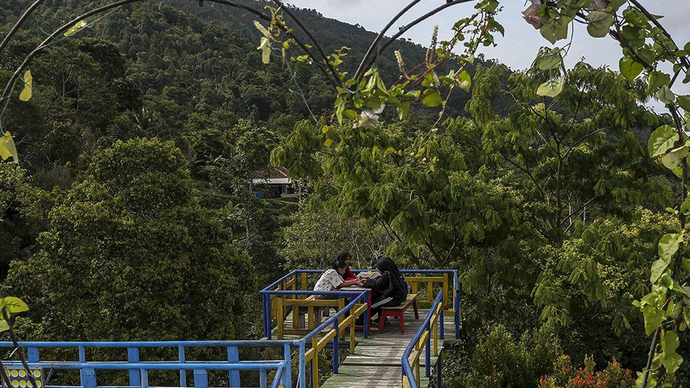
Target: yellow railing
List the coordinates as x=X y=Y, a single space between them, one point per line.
x=441 y=282
x=420 y=344
x=318 y=344
x=313 y=308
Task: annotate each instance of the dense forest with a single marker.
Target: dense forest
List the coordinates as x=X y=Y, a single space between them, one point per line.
x=139 y=78
x=131 y=212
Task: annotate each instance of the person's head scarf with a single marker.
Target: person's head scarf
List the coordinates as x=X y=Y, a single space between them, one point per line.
x=386 y=264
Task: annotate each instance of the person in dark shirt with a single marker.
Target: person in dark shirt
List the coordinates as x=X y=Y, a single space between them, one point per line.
x=390 y=288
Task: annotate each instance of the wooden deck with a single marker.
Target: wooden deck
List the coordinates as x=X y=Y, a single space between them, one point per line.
x=376 y=362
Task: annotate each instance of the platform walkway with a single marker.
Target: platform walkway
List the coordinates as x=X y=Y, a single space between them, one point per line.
x=376 y=362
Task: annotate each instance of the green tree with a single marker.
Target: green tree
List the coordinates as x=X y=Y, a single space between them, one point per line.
x=316 y=236
x=131 y=255
x=575 y=157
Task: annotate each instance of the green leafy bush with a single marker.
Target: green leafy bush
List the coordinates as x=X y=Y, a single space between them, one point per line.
x=499 y=360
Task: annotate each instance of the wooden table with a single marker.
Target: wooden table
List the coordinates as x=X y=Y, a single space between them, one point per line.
x=369 y=301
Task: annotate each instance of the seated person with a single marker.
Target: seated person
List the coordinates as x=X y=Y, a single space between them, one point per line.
x=390 y=288
x=346 y=258
x=332 y=279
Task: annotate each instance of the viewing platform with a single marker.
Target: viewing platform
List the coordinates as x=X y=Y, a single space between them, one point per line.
x=293 y=353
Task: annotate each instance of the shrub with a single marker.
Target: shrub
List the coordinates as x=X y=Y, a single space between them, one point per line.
x=501 y=361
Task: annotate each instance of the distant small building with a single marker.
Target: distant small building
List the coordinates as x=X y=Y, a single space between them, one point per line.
x=274 y=183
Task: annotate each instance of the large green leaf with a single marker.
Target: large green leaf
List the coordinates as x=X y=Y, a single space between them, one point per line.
x=432 y=98
x=668 y=245
x=657 y=79
x=629 y=68
x=665 y=94
x=646 y=55
x=658 y=269
x=550 y=59
x=465 y=80
x=669 y=358
x=13 y=305
x=652 y=318
x=663 y=139
x=555 y=29
x=684 y=102
x=550 y=88
x=599 y=23
x=673 y=158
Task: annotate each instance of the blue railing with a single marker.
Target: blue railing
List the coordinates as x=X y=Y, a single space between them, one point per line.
x=334 y=322
x=139 y=369
x=427 y=331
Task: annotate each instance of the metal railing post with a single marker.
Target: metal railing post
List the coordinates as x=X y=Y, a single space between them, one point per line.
x=133 y=358
x=427 y=365
x=336 y=350
x=266 y=302
x=302 y=366
x=263 y=381
x=456 y=303
x=144 y=378
x=439 y=370
x=32 y=354
x=200 y=378
x=233 y=375
x=88 y=378
x=287 y=373
x=315 y=362
x=181 y=357
x=441 y=323
x=367 y=318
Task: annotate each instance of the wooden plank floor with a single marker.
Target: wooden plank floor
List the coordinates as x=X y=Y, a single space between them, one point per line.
x=376 y=362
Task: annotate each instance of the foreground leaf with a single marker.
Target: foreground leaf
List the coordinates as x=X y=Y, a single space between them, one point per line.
x=668 y=245
x=652 y=318
x=663 y=139
x=550 y=88
x=550 y=60
x=673 y=158
x=27 y=92
x=76 y=28
x=7 y=147
x=555 y=29
x=599 y=23
x=629 y=68
x=265 y=48
x=13 y=305
x=658 y=269
x=669 y=358
x=465 y=81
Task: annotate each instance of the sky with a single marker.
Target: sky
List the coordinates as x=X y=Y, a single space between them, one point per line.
x=521 y=42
